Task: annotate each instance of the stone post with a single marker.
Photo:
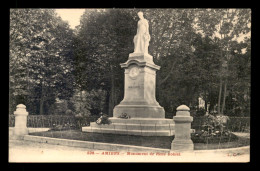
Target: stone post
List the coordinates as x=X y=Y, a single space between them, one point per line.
x=20 y=127
x=182 y=140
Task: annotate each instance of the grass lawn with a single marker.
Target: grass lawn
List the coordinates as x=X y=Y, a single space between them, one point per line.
x=156 y=142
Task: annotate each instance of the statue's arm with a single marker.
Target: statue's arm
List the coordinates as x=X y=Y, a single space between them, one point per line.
x=147 y=26
x=147 y=30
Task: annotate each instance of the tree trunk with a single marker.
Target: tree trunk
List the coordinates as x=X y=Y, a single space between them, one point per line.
x=224 y=97
x=81 y=101
x=219 y=95
x=42 y=97
x=41 y=102
x=206 y=102
x=206 y=106
x=220 y=84
x=41 y=106
x=112 y=95
x=210 y=102
x=211 y=105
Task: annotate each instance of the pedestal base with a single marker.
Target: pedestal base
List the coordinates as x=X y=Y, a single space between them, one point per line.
x=140 y=111
x=20 y=131
x=134 y=126
x=182 y=145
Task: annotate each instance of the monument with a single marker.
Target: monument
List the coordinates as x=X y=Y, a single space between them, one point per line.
x=147 y=116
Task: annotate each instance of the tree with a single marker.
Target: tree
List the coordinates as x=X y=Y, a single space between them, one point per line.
x=105 y=41
x=228 y=25
x=39 y=40
x=238 y=96
x=192 y=46
x=186 y=43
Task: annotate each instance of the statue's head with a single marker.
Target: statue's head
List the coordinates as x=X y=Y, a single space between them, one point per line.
x=140 y=14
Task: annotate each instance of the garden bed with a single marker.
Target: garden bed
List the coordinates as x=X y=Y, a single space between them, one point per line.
x=156 y=142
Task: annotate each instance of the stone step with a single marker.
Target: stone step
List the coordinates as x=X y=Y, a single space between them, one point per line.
x=128 y=132
x=130 y=126
x=142 y=120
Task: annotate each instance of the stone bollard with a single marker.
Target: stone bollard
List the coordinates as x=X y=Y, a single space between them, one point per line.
x=182 y=140
x=20 y=128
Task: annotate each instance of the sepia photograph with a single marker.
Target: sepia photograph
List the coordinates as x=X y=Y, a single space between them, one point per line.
x=129 y=85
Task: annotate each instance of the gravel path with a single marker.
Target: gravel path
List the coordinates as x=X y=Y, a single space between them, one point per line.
x=242 y=134
x=27 y=151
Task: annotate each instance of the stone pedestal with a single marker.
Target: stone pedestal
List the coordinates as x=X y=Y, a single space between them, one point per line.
x=140 y=81
x=147 y=116
x=182 y=140
x=20 y=128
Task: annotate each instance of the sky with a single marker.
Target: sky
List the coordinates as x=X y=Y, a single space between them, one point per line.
x=71 y=15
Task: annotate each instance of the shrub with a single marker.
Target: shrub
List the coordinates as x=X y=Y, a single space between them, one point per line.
x=69 y=112
x=239 y=124
x=88 y=102
x=213 y=129
x=213 y=137
x=81 y=120
x=200 y=112
x=66 y=126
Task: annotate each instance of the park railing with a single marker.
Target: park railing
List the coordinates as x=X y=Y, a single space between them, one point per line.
x=48 y=121
x=236 y=124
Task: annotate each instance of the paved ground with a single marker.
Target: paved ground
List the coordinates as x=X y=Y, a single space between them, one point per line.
x=242 y=134
x=27 y=151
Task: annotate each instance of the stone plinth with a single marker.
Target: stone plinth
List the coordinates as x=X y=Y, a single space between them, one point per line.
x=134 y=126
x=140 y=84
x=182 y=140
x=20 y=128
x=147 y=116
